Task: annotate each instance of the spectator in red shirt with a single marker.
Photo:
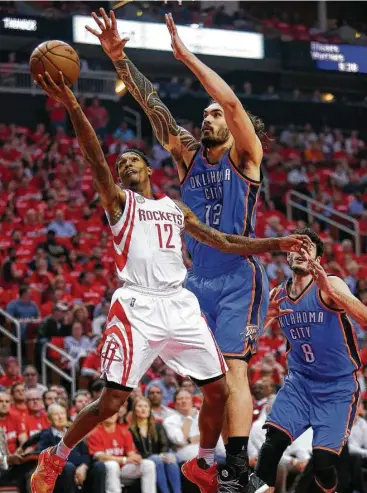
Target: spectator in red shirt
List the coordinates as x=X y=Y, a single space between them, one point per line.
x=91 y=366
x=57 y=114
x=41 y=279
x=19 y=406
x=12 y=426
x=113 y=444
x=12 y=373
x=36 y=420
x=98 y=117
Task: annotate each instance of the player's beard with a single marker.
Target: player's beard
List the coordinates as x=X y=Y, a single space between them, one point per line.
x=298 y=270
x=214 y=140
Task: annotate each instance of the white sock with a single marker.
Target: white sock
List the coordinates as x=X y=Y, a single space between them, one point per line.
x=207 y=454
x=62 y=450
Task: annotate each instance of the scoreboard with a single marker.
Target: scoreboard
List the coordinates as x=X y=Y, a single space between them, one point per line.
x=339 y=57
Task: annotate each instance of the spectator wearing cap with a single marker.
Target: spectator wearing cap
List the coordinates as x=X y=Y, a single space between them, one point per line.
x=31 y=377
x=54 y=325
x=12 y=373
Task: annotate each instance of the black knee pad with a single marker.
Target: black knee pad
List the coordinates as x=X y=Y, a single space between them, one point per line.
x=325 y=473
x=271 y=452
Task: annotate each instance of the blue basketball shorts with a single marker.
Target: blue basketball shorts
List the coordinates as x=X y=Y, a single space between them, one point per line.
x=328 y=407
x=234 y=300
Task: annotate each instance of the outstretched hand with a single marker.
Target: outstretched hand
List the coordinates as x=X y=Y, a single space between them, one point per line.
x=319 y=275
x=296 y=243
x=59 y=92
x=275 y=311
x=111 y=41
x=179 y=49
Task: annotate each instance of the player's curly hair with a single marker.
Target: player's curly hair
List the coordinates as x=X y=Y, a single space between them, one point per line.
x=314 y=237
x=141 y=154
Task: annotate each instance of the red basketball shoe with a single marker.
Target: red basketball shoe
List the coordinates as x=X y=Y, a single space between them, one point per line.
x=205 y=479
x=48 y=469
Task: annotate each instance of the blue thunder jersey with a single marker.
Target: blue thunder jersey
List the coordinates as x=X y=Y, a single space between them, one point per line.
x=222 y=198
x=321 y=341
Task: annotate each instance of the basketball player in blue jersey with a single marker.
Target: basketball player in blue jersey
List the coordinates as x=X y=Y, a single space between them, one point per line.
x=321 y=390
x=220 y=181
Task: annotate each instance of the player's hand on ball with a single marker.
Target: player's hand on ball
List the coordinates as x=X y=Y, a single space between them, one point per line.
x=319 y=275
x=60 y=92
x=295 y=243
x=179 y=49
x=109 y=37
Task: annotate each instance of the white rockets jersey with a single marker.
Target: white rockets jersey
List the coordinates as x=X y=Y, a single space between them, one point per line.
x=147 y=242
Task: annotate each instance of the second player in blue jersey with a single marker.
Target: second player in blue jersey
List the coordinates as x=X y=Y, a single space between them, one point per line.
x=321 y=390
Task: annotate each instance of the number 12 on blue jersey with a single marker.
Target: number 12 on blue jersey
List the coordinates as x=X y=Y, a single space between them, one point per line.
x=212 y=214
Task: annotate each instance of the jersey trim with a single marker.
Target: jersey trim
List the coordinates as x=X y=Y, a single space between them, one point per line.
x=242 y=175
x=190 y=166
x=350 y=339
x=121 y=258
x=294 y=301
x=122 y=219
x=118 y=237
x=274 y=425
x=325 y=305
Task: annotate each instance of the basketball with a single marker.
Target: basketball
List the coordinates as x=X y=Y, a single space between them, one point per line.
x=54 y=57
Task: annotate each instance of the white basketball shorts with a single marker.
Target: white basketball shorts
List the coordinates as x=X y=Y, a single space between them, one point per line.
x=142 y=326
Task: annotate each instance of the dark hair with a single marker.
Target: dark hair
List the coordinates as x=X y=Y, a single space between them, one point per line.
x=141 y=154
x=23 y=288
x=314 y=237
x=255 y=120
x=14 y=386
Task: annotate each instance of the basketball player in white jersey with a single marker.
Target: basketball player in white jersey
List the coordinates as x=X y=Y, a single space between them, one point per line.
x=152 y=314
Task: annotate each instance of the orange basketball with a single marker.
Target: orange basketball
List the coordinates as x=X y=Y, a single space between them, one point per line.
x=54 y=57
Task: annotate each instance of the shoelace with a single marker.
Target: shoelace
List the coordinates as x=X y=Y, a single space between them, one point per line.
x=227 y=486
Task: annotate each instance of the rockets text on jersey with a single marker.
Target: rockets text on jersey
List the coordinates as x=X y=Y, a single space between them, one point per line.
x=147 y=243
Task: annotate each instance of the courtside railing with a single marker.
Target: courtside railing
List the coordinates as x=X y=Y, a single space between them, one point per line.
x=17 y=337
x=336 y=219
x=47 y=363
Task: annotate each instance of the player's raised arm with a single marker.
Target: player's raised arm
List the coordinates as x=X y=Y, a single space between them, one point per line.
x=112 y=197
x=335 y=292
x=246 y=143
x=240 y=244
x=172 y=137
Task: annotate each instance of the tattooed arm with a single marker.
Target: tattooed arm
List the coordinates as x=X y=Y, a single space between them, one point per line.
x=112 y=197
x=178 y=141
x=239 y=244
